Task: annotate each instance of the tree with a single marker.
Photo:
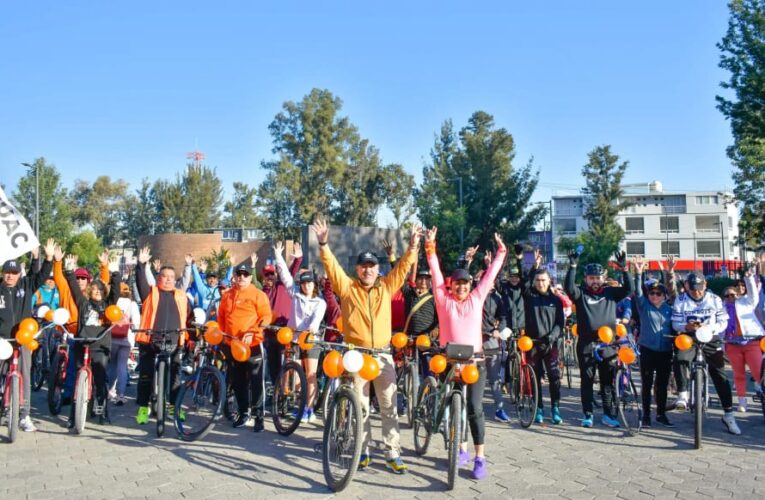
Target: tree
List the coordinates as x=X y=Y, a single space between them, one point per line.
x=241 y=211
x=743 y=55
x=55 y=212
x=87 y=246
x=101 y=205
x=218 y=261
x=399 y=190
x=140 y=212
x=495 y=192
x=191 y=203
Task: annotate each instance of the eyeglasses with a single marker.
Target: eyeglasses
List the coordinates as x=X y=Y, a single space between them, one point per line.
x=660 y=294
x=82 y=278
x=730 y=295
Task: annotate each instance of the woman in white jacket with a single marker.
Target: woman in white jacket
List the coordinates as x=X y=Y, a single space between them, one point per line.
x=123 y=340
x=307 y=312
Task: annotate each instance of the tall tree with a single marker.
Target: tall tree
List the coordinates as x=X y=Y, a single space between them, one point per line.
x=101 y=206
x=87 y=246
x=241 y=210
x=140 y=213
x=743 y=55
x=191 y=203
x=399 y=193
x=55 y=211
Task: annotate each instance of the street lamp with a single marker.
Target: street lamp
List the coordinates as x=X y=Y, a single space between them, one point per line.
x=462 y=227
x=37 y=196
x=548 y=257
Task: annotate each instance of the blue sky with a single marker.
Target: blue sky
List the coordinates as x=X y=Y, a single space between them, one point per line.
x=126 y=88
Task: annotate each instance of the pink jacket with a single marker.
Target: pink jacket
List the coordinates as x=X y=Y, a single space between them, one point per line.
x=460 y=322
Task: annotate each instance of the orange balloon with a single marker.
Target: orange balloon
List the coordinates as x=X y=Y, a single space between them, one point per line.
x=30 y=325
x=284 y=335
x=437 y=364
x=621 y=330
x=113 y=313
x=213 y=336
x=333 y=364
x=370 y=369
x=49 y=315
x=339 y=324
x=470 y=374
x=605 y=334
x=303 y=340
x=574 y=330
x=33 y=345
x=399 y=340
x=685 y=342
x=423 y=342
x=240 y=351
x=762 y=344
x=626 y=355
x=24 y=337
x=525 y=343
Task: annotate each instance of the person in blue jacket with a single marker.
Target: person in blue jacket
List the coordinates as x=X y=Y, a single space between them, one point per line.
x=207 y=287
x=46 y=294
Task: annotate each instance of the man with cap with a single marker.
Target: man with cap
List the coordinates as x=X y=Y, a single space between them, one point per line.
x=15 y=305
x=695 y=307
x=208 y=290
x=596 y=307
x=47 y=294
x=366 y=312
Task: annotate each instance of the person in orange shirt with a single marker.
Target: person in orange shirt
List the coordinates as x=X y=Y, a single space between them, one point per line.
x=243 y=309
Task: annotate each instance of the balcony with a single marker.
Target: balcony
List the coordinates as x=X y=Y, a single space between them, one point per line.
x=568 y=212
x=707 y=230
x=673 y=209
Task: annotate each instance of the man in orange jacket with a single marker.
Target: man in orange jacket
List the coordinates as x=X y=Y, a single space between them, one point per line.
x=243 y=309
x=365 y=303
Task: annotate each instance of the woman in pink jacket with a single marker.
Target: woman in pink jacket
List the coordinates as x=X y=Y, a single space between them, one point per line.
x=460 y=312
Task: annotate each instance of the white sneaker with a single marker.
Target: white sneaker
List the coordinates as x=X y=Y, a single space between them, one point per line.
x=112 y=395
x=730 y=422
x=742 y=404
x=27 y=425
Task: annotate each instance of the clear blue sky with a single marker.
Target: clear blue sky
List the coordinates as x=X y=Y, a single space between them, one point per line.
x=126 y=88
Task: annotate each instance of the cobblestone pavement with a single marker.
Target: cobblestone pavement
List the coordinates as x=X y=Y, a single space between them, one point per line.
x=122 y=460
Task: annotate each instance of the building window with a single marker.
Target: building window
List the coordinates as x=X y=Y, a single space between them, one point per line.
x=708 y=249
x=636 y=248
x=707 y=200
x=707 y=224
x=566 y=226
x=670 y=248
x=230 y=235
x=669 y=224
x=634 y=225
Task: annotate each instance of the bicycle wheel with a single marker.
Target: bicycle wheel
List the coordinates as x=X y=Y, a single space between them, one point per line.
x=699 y=383
x=80 y=401
x=423 y=415
x=412 y=387
x=12 y=411
x=455 y=435
x=341 y=443
x=37 y=371
x=200 y=401
x=329 y=394
x=628 y=400
x=288 y=403
x=528 y=396
x=568 y=356
x=160 y=385
x=56 y=384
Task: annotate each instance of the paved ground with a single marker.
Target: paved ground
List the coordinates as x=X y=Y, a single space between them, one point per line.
x=122 y=460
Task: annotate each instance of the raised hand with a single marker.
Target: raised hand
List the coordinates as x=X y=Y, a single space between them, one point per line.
x=639 y=264
x=144 y=255
x=297 y=250
x=621 y=258
x=58 y=253
x=470 y=253
x=537 y=258
x=387 y=247
x=35 y=252
x=671 y=263
x=157 y=265
x=50 y=248
x=188 y=259
x=278 y=248
x=103 y=257
x=487 y=258
x=254 y=258
x=518 y=249
x=430 y=235
x=202 y=266
x=573 y=257
x=500 y=243
x=416 y=236
x=70 y=262
x=321 y=229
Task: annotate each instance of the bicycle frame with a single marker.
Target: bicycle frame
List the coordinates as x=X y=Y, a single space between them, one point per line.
x=13 y=372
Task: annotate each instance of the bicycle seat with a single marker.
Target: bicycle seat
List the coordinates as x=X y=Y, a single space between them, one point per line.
x=459 y=352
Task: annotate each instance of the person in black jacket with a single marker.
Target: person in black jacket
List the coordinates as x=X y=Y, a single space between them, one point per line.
x=92 y=305
x=15 y=305
x=544 y=324
x=511 y=291
x=596 y=307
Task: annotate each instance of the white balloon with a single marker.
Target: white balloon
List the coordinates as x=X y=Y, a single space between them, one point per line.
x=353 y=361
x=199 y=315
x=6 y=349
x=505 y=333
x=61 y=316
x=705 y=333
x=42 y=311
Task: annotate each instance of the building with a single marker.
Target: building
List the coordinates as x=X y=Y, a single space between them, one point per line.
x=699 y=228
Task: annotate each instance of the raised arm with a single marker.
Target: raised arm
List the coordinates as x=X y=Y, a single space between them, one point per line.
x=333 y=307
x=143 y=271
x=297 y=259
x=114 y=287
x=395 y=279
x=487 y=280
x=437 y=279
x=285 y=274
x=569 y=285
x=340 y=281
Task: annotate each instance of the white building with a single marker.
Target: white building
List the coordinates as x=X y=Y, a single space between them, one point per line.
x=699 y=228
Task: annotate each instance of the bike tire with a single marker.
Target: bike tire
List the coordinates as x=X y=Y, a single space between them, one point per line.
x=412 y=384
x=290 y=394
x=455 y=436
x=342 y=435
x=199 y=403
x=56 y=384
x=423 y=415
x=628 y=399
x=698 y=410
x=37 y=370
x=528 y=396
x=329 y=394
x=568 y=355
x=80 y=401
x=14 y=407
x=161 y=403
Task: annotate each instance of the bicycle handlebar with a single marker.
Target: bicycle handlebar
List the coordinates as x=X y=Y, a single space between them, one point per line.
x=93 y=340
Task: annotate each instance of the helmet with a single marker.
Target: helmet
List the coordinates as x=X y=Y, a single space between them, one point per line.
x=593 y=270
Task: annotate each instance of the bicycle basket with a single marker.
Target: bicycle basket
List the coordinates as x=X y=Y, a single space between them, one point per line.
x=459 y=352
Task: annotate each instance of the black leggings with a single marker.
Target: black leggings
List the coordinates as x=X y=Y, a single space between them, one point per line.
x=247 y=382
x=99 y=360
x=606 y=371
x=147 y=354
x=547 y=355
x=659 y=363
x=475 y=406
x=274 y=352
x=715 y=359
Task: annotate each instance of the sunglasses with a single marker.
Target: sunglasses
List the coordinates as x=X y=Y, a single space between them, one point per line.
x=242 y=274
x=660 y=294
x=82 y=278
x=730 y=295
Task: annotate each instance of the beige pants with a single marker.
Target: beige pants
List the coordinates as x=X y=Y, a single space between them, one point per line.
x=385 y=389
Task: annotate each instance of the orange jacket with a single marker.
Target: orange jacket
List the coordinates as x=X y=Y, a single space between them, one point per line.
x=149 y=313
x=242 y=311
x=66 y=299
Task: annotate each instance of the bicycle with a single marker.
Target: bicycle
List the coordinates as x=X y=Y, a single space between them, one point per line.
x=628 y=396
x=524 y=389
x=441 y=403
x=291 y=389
x=568 y=359
x=11 y=387
x=82 y=398
x=699 y=380
x=327 y=385
x=407 y=361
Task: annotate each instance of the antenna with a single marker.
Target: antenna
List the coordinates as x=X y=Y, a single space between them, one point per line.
x=196 y=157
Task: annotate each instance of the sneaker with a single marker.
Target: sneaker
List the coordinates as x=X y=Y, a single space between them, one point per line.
x=556 y=416
x=730 y=423
x=120 y=401
x=742 y=404
x=143 y=415
x=501 y=415
x=311 y=416
x=463 y=459
x=243 y=419
x=645 y=423
x=364 y=461
x=304 y=418
x=663 y=420
x=479 y=468
x=587 y=421
x=27 y=425
x=171 y=413
x=396 y=465
x=540 y=416
x=682 y=401
x=113 y=395
x=258 y=425
x=609 y=422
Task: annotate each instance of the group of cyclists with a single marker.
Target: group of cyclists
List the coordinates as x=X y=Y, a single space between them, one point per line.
x=482 y=308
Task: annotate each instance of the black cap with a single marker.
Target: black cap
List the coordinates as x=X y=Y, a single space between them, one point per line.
x=423 y=272
x=211 y=274
x=695 y=281
x=593 y=270
x=461 y=274
x=656 y=285
x=243 y=268
x=367 y=258
x=306 y=277
x=513 y=271
x=11 y=266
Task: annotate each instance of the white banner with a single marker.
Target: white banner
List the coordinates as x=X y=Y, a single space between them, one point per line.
x=16 y=235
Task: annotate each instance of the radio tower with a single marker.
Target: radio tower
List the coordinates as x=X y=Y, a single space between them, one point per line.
x=195 y=156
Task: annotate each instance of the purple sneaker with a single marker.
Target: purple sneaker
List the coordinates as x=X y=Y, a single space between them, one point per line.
x=479 y=469
x=463 y=459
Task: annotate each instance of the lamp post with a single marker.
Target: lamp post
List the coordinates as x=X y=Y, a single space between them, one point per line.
x=548 y=257
x=37 y=196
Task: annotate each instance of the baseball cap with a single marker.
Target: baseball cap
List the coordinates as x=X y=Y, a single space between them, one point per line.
x=423 y=272
x=513 y=272
x=655 y=285
x=695 y=281
x=269 y=269
x=243 y=268
x=367 y=257
x=593 y=270
x=460 y=274
x=81 y=272
x=306 y=277
x=11 y=266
